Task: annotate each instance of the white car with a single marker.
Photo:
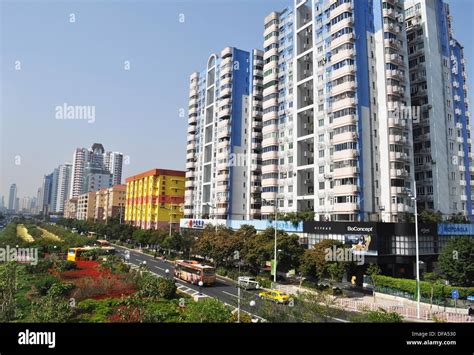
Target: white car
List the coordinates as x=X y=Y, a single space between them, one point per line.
x=248 y=283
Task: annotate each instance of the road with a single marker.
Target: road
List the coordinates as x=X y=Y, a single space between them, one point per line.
x=223 y=289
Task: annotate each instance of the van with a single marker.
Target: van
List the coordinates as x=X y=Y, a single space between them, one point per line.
x=248 y=283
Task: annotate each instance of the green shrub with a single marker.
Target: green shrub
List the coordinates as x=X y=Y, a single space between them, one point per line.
x=409 y=286
x=43 y=284
x=222 y=271
x=42 y=266
x=156 y=287
x=264 y=282
x=66 y=265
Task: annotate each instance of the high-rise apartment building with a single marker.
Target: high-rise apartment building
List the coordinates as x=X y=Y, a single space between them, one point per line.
x=442 y=135
x=223 y=178
x=278 y=129
x=337 y=136
x=155 y=198
x=96 y=177
x=12 y=197
x=63 y=181
x=94 y=157
x=113 y=162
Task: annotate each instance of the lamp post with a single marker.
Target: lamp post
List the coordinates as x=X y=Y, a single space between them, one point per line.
x=412 y=195
x=200 y=284
x=167 y=272
x=252 y=304
x=275 y=242
x=215 y=213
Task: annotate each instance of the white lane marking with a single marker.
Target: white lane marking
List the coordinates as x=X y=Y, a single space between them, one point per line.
x=230 y=294
x=159 y=267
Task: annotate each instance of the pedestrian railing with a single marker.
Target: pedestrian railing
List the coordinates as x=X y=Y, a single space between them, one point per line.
x=406 y=312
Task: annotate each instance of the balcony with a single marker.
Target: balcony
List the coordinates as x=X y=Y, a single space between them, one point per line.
x=344 y=103
x=344 y=121
x=343 y=71
x=347 y=154
x=342 y=54
x=344 y=137
x=224 y=112
x=347 y=22
x=346 y=86
x=349 y=171
x=345 y=207
x=348 y=37
x=345 y=190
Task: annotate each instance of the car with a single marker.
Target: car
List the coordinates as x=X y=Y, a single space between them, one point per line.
x=248 y=283
x=275 y=296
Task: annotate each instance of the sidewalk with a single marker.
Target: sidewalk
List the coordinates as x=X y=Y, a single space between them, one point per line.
x=402 y=306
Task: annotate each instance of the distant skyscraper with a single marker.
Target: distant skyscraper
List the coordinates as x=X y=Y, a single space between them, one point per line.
x=44 y=203
x=96 y=177
x=54 y=190
x=96 y=155
x=12 y=197
x=113 y=162
x=64 y=178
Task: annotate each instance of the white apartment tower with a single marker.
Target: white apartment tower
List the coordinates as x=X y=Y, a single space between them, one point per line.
x=223 y=158
x=62 y=188
x=338 y=141
x=442 y=135
x=113 y=162
x=278 y=178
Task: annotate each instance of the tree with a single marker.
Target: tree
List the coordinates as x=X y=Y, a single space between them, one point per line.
x=219 y=246
x=258 y=249
x=315 y=264
x=432 y=279
x=372 y=271
x=456 y=262
x=53 y=307
x=8 y=279
x=430 y=217
x=291 y=251
x=458 y=218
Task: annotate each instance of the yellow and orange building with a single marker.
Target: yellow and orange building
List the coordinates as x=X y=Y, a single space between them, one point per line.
x=154 y=198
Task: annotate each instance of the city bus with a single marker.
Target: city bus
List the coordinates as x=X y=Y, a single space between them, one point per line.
x=192 y=271
x=74 y=254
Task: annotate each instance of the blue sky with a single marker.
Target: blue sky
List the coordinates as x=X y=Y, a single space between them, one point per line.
x=81 y=63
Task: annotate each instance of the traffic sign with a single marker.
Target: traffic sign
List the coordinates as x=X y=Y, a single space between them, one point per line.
x=455 y=294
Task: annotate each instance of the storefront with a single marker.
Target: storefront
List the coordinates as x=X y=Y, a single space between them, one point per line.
x=390 y=245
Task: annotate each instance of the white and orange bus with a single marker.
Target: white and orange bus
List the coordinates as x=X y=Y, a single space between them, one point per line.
x=192 y=271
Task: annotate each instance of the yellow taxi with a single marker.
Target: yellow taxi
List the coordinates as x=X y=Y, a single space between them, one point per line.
x=275 y=296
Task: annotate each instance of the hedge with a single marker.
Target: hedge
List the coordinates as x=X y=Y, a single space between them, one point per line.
x=407 y=285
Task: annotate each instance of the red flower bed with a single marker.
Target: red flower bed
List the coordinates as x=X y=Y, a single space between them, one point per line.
x=84 y=269
x=93 y=281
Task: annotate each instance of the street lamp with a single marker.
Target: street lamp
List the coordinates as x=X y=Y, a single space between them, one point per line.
x=170 y=213
x=417 y=252
x=252 y=304
x=200 y=284
x=215 y=213
x=275 y=242
x=167 y=272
